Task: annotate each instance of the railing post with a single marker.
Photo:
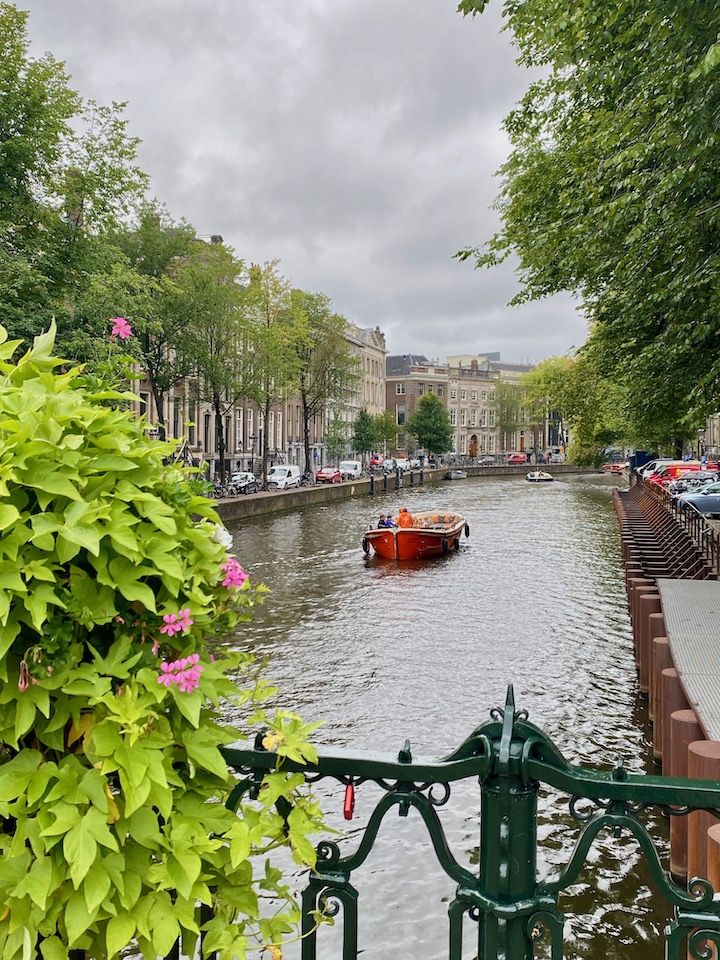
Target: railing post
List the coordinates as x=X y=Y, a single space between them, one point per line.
x=508 y=850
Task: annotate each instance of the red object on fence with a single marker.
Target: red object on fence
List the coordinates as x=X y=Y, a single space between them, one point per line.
x=349 y=804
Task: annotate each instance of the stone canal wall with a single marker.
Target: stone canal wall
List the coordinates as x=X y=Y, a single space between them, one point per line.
x=257 y=504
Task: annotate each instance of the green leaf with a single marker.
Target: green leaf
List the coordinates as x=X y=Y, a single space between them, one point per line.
x=80 y=849
x=52 y=948
x=96 y=886
x=8 y=515
x=120 y=931
x=77 y=917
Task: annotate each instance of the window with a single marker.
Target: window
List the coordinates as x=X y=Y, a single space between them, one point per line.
x=430 y=388
x=177 y=431
x=473 y=395
x=463 y=394
x=463 y=444
x=483 y=418
x=483 y=395
x=463 y=417
x=227 y=433
x=400 y=414
x=271 y=429
x=473 y=417
x=453 y=417
x=483 y=443
x=421 y=389
x=453 y=394
x=279 y=425
x=440 y=390
x=492 y=418
x=491 y=444
x=399 y=389
x=144 y=402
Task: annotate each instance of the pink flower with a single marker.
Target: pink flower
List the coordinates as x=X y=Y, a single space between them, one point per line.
x=120 y=328
x=24 y=681
x=184 y=673
x=156 y=648
x=235 y=576
x=177 y=622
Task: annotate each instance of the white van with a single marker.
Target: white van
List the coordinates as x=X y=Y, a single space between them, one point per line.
x=283 y=477
x=350 y=469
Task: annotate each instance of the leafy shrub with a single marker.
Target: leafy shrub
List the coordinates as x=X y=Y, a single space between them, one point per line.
x=114 y=587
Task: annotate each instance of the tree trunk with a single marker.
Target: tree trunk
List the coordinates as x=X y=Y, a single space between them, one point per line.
x=159 y=397
x=219 y=435
x=266 y=440
x=309 y=467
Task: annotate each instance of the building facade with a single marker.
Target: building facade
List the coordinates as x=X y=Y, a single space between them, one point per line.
x=244 y=423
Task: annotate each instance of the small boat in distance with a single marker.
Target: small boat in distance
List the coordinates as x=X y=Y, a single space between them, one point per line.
x=539 y=476
x=456 y=475
x=431 y=535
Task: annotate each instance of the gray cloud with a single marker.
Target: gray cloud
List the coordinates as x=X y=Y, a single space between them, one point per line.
x=355 y=140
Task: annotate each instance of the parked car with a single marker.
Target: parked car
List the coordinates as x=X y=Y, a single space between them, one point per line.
x=673 y=470
x=705 y=501
x=245 y=482
x=402 y=463
x=415 y=463
x=350 y=469
x=653 y=466
x=487 y=461
x=328 y=475
x=376 y=461
x=388 y=464
x=283 y=477
x=516 y=458
x=712 y=487
x=691 y=480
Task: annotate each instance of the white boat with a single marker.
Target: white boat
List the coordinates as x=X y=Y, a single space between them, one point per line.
x=539 y=476
x=456 y=475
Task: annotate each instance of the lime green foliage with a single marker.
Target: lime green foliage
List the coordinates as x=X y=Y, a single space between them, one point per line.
x=111 y=782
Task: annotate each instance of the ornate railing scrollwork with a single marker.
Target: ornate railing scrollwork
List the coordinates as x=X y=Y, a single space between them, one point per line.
x=511 y=909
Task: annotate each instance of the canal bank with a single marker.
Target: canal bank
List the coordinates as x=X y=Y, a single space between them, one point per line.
x=232 y=509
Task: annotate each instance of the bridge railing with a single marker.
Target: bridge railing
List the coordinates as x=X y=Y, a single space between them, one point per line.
x=504 y=907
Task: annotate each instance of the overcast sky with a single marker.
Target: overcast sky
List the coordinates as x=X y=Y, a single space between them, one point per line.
x=354 y=140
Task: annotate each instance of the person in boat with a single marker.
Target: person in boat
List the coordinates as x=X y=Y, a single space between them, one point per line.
x=404 y=518
x=382 y=522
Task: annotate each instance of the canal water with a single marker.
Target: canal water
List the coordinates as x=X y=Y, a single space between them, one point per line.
x=380 y=652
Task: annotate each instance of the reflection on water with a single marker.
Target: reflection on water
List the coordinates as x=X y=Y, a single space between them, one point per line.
x=382 y=652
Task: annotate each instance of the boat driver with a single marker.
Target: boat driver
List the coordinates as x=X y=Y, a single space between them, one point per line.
x=405 y=518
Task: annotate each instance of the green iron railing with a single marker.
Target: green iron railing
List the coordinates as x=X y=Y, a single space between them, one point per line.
x=512 y=908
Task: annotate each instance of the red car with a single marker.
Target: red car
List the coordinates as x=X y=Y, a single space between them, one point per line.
x=328 y=475
x=377 y=461
x=516 y=458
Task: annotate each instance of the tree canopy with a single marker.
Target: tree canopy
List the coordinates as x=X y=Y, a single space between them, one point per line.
x=430 y=424
x=611 y=191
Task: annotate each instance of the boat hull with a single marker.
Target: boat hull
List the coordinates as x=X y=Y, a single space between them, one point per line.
x=417 y=542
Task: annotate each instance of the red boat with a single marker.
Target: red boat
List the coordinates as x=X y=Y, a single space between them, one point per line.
x=431 y=535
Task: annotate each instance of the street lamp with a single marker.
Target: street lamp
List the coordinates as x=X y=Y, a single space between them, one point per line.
x=252 y=438
x=701 y=438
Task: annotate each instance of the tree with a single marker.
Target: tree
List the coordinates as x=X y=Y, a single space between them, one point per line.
x=364 y=436
x=209 y=301
x=142 y=287
x=386 y=429
x=611 y=190
x=507 y=403
x=273 y=338
x=68 y=176
x=327 y=367
x=430 y=424
x=336 y=436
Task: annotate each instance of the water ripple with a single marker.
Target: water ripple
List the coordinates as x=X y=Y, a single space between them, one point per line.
x=381 y=652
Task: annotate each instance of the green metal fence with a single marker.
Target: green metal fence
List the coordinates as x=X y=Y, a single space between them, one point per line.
x=504 y=910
